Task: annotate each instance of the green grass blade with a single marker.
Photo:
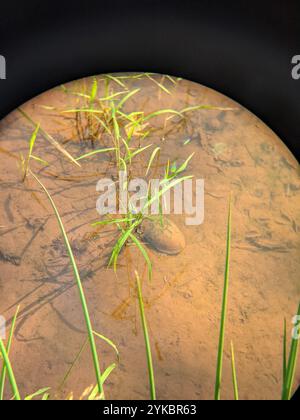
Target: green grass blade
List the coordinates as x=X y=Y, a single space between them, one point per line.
x=120 y=244
x=110 y=343
x=162 y=112
x=183 y=167
x=128 y=152
x=68 y=373
x=132 y=116
x=284 y=352
x=115 y=122
x=86 y=110
x=234 y=375
x=95 y=152
x=31 y=146
x=108 y=372
x=37 y=394
x=49 y=138
x=208 y=107
x=43 y=162
x=106 y=128
x=173 y=172
x=167 y=170
x=169 y=186
x=123 y=164
x=291 y=368
x=126 y=98
x=155 y=152
x=137 y=152
x=113 y=222
x=33 y=139
x=224 y=310
x=160 y=85
x=113 y=96
x=80 y=95
x=10 y=372
x=8 y=347
x=117 y=133
x=94 y=91
x=116 y=80
x=94 y=394
x=144 y=253
x=80 y=288
x=86 y=96
x=147 y=339
x=171 y=79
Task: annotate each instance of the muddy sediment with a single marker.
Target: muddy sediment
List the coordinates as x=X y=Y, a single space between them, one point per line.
x=234 y=153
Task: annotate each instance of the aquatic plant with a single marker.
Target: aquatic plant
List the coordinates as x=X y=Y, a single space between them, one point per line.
x=234 y=374
x=7 y=368
x=95 y=117
x=95 y=152
x=106 y=115
x=81 y=293
x=224 y=310
x=128 y=226
x=25 y=162
x=172 y=170
x=130 y=223
x=289 y=367
x=146 y=338
x=151 y=160
x=48 y=137
x=108 y=120
x=92 y=392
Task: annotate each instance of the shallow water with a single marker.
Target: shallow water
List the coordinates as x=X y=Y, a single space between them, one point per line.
x=234 y=152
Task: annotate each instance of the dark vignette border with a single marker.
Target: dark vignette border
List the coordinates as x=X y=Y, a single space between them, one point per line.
x=240 y=48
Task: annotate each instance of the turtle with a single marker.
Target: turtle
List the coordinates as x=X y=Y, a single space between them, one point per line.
x=162 y=236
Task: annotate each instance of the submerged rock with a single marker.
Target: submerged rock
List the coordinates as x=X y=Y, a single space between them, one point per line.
x=165 y=238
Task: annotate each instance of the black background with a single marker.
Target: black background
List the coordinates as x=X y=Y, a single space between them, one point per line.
x=240 y=48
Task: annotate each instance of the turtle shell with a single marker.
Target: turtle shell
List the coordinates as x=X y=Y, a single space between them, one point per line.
x=165 y=238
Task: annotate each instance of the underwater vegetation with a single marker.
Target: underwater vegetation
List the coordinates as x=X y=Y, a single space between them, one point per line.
x=289 y=366
x=105 y=128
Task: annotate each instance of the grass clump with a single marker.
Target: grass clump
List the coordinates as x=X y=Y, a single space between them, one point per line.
x=130 y=224
x=100 y=118
x=48 y=137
